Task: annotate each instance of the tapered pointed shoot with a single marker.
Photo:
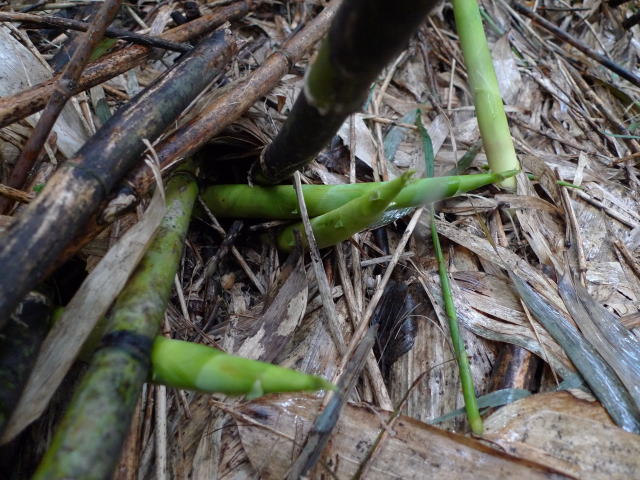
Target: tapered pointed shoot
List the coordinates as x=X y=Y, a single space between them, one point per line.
x=280 y=202
x=352 y=217
x=197 y=367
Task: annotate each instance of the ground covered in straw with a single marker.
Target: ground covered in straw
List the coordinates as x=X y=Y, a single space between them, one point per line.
x=572 y=120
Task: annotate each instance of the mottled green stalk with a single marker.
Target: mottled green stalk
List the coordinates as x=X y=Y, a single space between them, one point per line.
x=492 y=120
x=19 y=344
x=365 y=35
x=197 y=367
x=88 y=441
x=280 y=202
x=466 y=378
x=341 y=223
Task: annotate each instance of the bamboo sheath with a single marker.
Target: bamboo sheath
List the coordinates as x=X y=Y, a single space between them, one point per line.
x=32 y=244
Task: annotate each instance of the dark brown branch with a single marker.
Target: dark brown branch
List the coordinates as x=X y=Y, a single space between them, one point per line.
x=15 y=194
x=48 y=224
x=23 y=104
x=632 y=21
x=112 y=32
x=222 y=111
x=230 y=106
x=61 y=94
x=364 y=37
x=564 y=36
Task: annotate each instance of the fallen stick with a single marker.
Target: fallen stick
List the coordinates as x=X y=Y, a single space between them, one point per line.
x=34 y=242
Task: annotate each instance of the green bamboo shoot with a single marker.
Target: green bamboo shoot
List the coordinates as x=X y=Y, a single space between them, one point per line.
x=88 y=441
x=280 y=203
x=197 y=367
x=341 y=223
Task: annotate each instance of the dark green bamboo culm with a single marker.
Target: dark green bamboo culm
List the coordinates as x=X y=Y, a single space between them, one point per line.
x=19 y=345
x=365 y=35
x=88 y=441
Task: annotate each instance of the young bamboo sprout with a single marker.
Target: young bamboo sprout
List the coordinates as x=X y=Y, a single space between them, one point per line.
x=197 y=367
x=492 y=120
x=343 y=222
x=280 y=203
x=365 y=35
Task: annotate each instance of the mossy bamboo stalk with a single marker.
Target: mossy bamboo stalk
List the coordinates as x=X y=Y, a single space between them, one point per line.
x=341 y=223
x=50 y=222
x=365 y=35
x=280 y=203
x=197 y=367
x=90 y=436
x=492 y=120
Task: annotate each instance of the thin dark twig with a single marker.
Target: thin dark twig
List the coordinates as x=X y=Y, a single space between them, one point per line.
x=327 y=420
x=112 y=32
x=603 y=60
x=22 y=104
x=63 y=91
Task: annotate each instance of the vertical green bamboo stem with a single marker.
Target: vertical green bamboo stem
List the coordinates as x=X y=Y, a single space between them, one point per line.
x=492 y=119
x=88 y=442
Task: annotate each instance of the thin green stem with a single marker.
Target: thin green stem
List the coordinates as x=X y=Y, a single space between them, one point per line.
x=466 y=378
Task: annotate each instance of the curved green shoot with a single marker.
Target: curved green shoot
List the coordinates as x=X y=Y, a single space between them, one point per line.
x=193 y=366
x=492 y=120
x=280 y=202
x=354 y=216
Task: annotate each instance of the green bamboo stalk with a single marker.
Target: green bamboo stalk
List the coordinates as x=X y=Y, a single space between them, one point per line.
x=341 y=223
x=88 y=441
x=466 y=378
x=365 y=35
x=192 y=366
x=492 y=120
x=280 y=202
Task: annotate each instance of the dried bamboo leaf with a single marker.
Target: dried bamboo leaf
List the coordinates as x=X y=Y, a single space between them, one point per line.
x=572 y=435
x=274 y=328
x=501 y=330
x=599 y=376
x=415 y=451
x=617 y=346
x=19 y=69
